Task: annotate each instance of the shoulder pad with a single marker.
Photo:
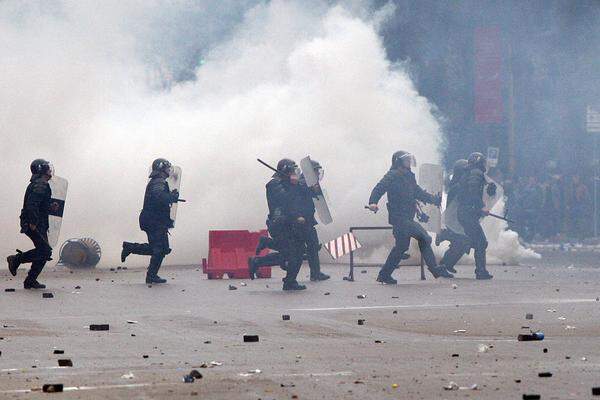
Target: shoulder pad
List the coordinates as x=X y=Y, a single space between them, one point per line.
x=39 y=186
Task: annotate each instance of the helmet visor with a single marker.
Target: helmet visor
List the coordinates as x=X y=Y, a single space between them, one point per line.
x=408 y=160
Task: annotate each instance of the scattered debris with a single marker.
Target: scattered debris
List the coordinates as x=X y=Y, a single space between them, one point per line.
x=596 y=391
x=460 y=331
x=65 y=362
x=454 y=286
x=250 y=338
x=483 y=348
x=285 y=317
x=378 y=341
x=455 y=355
x=361 y=296
x=250 y=373
x=57 y=351
x=207 y=342
x=243 y=284
x=361 y=322
x=562 y=318
x=128 y=375
x=583 y=358
x=145 y=356
x=99 y=327
x=531 y=397
x=451 y=386
x=364 y=271
x=53 y=388
x=131 y=322
x=216 y=363
x=9 y=289
x=550 y=310
x=326 y=294
x=569 y=328
x=188 y=379
x=47 y=295
x=454 y=386
x=545 y=374
x=195 y=374
x=545 y=350
x=528 y=316
x=231 y=287
x=395 y=312
x=531 y=337
x=394 y=386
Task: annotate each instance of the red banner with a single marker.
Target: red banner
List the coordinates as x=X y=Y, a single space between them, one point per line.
x=489 y=105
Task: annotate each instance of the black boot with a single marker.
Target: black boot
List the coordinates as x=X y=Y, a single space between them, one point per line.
x=263 y=243
x=126 y=251
x=13 y=263
x=481 y=271
x=448 y=268
x=252 y=267
x=33 y=285
x=154 y=279
x=386 y=279
x=152 y=273
x=319 y=277
x=483 y=274
x=293 y=285
x=439 y=272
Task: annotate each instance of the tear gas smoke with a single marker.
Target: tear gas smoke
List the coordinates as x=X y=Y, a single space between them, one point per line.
x=102 y=89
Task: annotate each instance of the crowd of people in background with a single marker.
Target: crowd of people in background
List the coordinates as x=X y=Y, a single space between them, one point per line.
x=554 y=208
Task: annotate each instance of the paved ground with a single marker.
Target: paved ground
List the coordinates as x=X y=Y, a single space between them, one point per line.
x=408 y=339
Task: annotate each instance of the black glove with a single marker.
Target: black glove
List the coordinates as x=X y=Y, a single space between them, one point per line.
x=491 y=189
x=174 y=196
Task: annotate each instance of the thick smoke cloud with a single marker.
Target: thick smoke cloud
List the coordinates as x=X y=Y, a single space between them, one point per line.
x=103 y=88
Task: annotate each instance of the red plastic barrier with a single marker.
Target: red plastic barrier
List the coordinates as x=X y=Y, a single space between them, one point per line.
x=228 y=253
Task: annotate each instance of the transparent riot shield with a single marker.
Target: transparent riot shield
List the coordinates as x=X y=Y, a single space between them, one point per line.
x=174 y=182
x=312 y=181
x=450 y=218
x=59 y=187
x=431 y=179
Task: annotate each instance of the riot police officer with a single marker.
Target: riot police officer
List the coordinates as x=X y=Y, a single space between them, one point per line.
x=403 y=192
x=471 y=208
x=459 y=243
x=285 y=223
x=155 y=220
x=37 y=206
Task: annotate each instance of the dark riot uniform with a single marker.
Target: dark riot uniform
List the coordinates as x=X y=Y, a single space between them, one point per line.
x=36 y=208
x=470 y=207
x=284 y=200
x=156 y=221
x=402 y=193
x=459 y=244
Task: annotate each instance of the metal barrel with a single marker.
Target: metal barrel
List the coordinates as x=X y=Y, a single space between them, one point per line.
x=80 y=253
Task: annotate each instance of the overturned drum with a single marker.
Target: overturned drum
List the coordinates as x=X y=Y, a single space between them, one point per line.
x=80 y=253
